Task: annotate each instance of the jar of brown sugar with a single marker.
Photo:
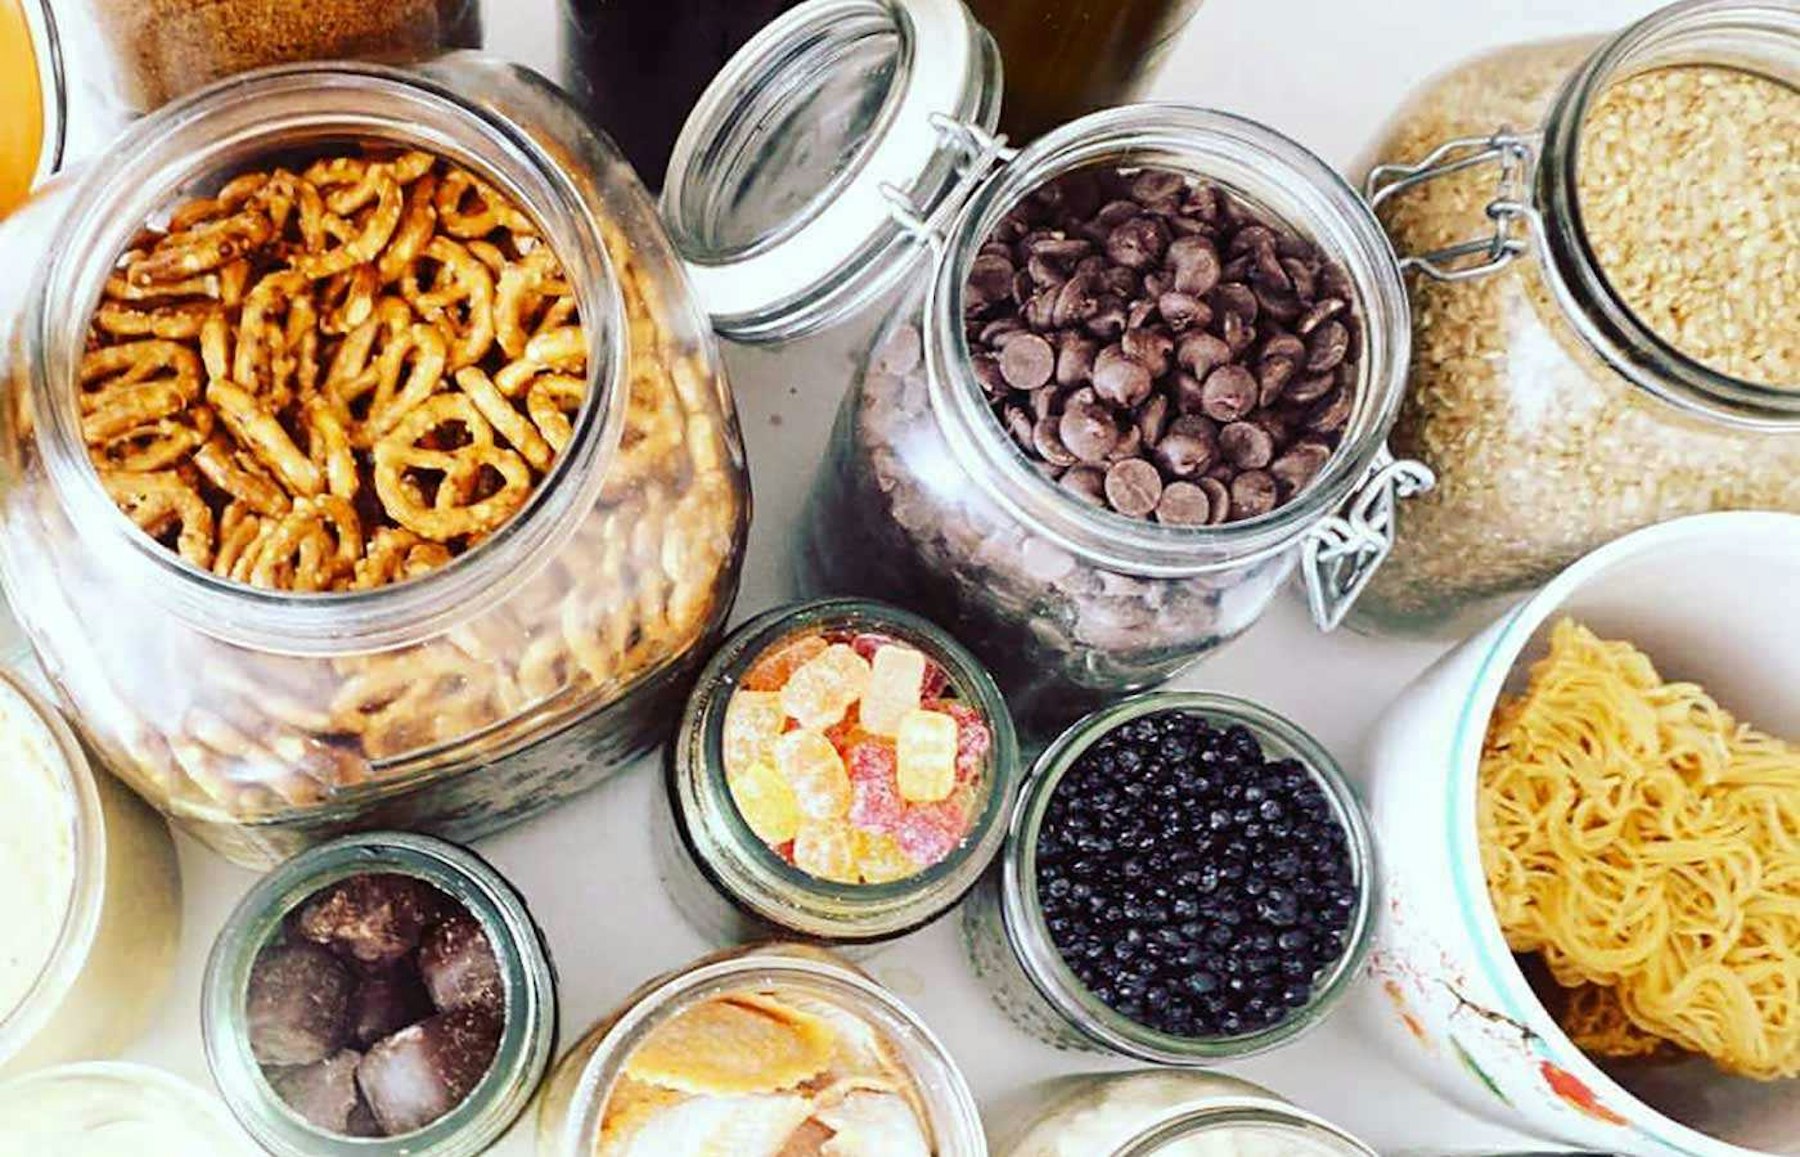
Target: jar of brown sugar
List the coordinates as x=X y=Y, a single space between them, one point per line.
x=1605 y=296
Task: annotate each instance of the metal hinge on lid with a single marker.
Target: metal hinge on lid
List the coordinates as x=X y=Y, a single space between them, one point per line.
x=1341 y=553
x=979 y=151
x=1512 y=216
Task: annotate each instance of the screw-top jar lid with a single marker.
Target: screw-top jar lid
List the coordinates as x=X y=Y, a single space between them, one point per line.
x=798 y=185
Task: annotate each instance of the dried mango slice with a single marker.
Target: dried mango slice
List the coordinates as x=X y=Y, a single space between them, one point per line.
x=756 y=1125
x=629 y=1107
x=873 y=1124
x=860 y=1057
x=733 y=1045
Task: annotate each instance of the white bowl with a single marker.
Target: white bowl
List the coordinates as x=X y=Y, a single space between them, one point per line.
x=1714 y=599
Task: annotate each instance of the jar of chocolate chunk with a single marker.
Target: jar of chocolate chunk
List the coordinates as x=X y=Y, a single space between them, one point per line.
x=386 y=993
x=842 y=773
x=1144 y=370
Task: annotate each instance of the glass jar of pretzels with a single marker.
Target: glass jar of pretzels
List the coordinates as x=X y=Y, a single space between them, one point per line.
x=365 y=460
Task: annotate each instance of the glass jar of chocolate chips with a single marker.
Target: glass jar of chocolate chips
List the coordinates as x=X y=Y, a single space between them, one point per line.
x=1146 y=367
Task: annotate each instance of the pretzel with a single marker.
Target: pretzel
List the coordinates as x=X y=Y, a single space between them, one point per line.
x=239 y=531
x=422 y=348
x=459 y=299
x=131 y=363
x=310 y=548
x=348 y=299
x=154 y=446
x=470 y=207
x=417 y=224
x=201 y=249
x=162 y=501
x=550 y=401
x=401 y=452
x=238 y=475
x=256 y=428
x=329 y=448
x=358 y=242
x=508 y=422
x=173 y=321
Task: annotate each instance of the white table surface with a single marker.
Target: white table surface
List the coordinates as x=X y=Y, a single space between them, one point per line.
x=1327 y=72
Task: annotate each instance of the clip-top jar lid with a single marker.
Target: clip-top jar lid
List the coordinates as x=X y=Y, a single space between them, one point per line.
x=790 y=187
x=31 y=50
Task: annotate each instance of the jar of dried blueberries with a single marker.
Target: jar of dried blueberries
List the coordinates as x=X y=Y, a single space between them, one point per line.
x=1187 y=878
x=385 y=993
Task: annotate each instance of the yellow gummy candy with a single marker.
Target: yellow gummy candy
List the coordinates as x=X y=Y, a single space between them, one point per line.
x=824 y=687
x=815 y=771
x=765 y=801
x=895 y=679
x=753 y=722
x=880 y=859
x=823 y=849
x=926 y=744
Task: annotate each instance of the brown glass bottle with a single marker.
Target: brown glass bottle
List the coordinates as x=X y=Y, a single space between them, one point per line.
x=1065 y=58
x=638 y=66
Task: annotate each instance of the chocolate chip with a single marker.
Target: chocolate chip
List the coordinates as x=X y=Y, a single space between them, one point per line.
x=1252 y=494
x=1246 y=445
x=1108 y=321
x=1234 y=297
x=1047 y=440
x=1046 y=272
x=1120 y=379
x=1183 y=504
x=1187 y=447
x=1229 y=393
x=1075 y=358
x=1312 y=387
x=1077 y=300
x=1123 y=282
x=1138 y=243
x=1196 y=265
x=1182 y=310
x=1329 y=414
x=1188 y=393
x=1150 y=348
x=1237 y=332
x=1322 y=311
x=1027 y=361
x=1115 y=213
x=1045 y=402
x=1272 y=376
x=1218 y=500
x=1157 y=187
x=1019 y=423
x=986 y=368
x=990 y=280
x=1326 y=346
x=1040 y=312
x=1133 y=487
x=1153 y=419
x=1198 y=353
x=1087 y=483
x=1131 y=445
x=1087 y=430
x=995 y=333
x=1300 y=465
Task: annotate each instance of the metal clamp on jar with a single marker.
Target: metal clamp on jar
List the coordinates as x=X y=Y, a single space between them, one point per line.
x=848 y=151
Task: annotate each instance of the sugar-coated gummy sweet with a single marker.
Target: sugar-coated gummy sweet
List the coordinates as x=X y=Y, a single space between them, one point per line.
x=386 y=1003
x=874 y=788
x=929 y=832
x=766 y=802
x=777 y=665
x=459 y=967
x=823 y=849
x=896 y=681
x=815 y=771
x=974 y=739
x=824 y=687
x=866 y=643
x=880 y=859
x=323 y=1093
x=420 y=1073
x=753 y=722
x=375 y=917
x=936 y=681
x=926 y=748
x=297 y=1004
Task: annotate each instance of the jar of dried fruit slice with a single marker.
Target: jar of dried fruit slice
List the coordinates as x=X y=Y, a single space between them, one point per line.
x=841 y=773
x=1144 y=373
x=1602 y=236
x=367 y=460
x=774 y=1050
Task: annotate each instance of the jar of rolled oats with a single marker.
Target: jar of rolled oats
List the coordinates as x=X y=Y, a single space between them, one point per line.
x=367 y=458
x=1602 y=237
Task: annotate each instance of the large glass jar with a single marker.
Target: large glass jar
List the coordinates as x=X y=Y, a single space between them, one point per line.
x=458 y=702
x=1554 y=414
x=599 y=1102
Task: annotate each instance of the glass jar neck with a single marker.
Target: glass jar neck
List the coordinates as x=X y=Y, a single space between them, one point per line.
x=1295 y=1131
x=1041 y=960
x=1253 y=162
x=527 y=1034
x=953 y=1119
x=195 y=144
x=1761 y=38
x=753 y=876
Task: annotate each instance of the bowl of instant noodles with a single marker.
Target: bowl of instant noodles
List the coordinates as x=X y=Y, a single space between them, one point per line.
x=1590 y=823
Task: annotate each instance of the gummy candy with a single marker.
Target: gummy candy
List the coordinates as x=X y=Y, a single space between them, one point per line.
x=973 y=738
x=896 y=678
x=815 y=771
x=753 y=721
x=874 y=791
x=825 y=686
x=926 y=747
x=866 y=643
x=936 y=680
x=777 y=665
x=766 y=802
x=880 y=859
x=823 y=849
x=929 y=832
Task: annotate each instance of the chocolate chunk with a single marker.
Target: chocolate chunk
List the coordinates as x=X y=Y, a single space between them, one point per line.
x=322 y=1093
x=1229 y=393
x=1188 y=446
x=1120 y=379
x=1252 y=494
x=383 y=1005
x=374 y=918
x=297 y=1004
x=1087 y=429
x=1133 y=487
x=1246 y=445
x=459 y=967
x=1027 y=361
x=1183 y=504
x=420 y=1073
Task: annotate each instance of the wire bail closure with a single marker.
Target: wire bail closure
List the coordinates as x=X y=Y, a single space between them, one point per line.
x=1341 y=553
x=1513 y=216
x=979 y=153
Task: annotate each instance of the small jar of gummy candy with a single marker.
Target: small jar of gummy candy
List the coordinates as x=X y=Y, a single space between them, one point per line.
x=841 y=774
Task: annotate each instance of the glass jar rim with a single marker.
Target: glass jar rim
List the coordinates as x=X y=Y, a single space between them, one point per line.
x=239 y=120
x=527 y=1035
x=1039 y=959
x=1306 y=194
x=136 y=1076
x=84 y=904
x=1738 y=34
x=52 y=81
x=755 y=877
x=1196 y=1124
x=770 y=965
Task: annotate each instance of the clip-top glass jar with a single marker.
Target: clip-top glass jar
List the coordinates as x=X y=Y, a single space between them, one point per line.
x=879 y=1046
x=1010 y=944
x=525 y=1004
x=923 y=499
x=1567 y=387
x=459 y=702
x=729 y=880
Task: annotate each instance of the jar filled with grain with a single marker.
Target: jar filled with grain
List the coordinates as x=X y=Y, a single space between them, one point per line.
x=1604 y=242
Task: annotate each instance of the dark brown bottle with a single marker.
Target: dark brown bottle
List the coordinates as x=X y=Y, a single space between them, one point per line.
x=638 y=66
x=1066 y=58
